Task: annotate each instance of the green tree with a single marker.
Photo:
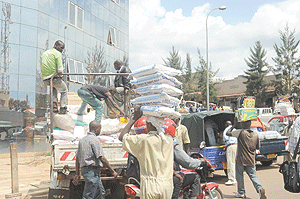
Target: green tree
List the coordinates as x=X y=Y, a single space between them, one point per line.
x=174 y=61
x=96 y=64
x=187 y=77
x=201 y=75
x=286 y=63
x=255 y=74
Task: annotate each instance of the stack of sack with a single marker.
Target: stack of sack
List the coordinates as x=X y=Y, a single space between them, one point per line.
x=70 y=128
x=156 y=88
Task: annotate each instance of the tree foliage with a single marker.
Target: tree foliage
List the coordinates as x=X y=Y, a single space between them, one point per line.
x=255 y=74
x=286 y=63
x=187 y=77
x=174 y=61
x=96 y=63
x=201 y=75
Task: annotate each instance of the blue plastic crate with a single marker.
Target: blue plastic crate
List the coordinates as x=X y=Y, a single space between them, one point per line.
x=216 y=155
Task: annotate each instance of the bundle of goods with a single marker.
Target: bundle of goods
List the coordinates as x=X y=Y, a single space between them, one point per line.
x=249 y=102
x=156 y=87
x=245 y=114
x=267 y=135
x=284 y=108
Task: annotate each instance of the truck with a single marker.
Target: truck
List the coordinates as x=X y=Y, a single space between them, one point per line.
x=63 y=159
x=269 y=151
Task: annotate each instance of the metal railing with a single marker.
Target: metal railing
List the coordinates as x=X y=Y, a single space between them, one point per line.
x=61 y=74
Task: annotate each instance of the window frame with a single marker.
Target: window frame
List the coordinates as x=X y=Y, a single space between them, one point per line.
x=76 y=15
x=116 y=33
x=116 y=2
x=70 y=77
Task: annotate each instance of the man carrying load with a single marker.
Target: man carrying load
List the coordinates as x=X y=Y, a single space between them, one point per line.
x=154 y=152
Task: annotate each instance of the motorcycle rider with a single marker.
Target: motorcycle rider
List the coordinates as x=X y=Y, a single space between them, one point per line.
x=181 y=180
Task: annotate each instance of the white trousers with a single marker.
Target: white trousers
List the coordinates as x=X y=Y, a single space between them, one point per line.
x=231 y=156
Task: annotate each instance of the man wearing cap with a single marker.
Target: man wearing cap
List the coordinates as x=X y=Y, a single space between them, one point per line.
x=154 y=152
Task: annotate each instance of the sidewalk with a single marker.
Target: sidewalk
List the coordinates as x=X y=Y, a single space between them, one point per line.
x=34 y=175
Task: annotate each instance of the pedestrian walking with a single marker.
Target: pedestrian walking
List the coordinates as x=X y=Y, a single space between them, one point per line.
x=231 y=149
x=51 y=62
x=93 y=95
x=287 y=132
x=90 y=158
x=248 y=142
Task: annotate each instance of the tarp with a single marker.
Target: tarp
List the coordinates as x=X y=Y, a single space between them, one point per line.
x=195 y=124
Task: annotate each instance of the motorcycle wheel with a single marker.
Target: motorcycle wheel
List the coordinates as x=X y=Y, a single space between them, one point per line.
x=216 y=195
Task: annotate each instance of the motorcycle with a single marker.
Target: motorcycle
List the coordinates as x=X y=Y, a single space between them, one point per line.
x=209 y=190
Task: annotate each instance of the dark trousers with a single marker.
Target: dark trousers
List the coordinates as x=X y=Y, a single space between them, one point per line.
x=188 y=179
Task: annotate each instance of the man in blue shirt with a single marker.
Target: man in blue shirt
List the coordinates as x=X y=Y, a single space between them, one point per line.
x=231 y=148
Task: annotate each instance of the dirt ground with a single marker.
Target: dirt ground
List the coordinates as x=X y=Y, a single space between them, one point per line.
x=34 y=175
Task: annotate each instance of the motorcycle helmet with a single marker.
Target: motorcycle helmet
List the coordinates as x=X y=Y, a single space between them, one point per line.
x=140 y=126
x=170 y=127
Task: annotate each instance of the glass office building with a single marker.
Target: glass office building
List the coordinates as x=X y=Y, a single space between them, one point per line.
x=89 y=28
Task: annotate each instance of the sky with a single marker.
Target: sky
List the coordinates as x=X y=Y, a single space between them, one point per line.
x=157 y=25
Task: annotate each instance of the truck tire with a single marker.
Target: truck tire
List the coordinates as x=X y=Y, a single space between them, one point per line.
x=266 y=163
x=117 y=190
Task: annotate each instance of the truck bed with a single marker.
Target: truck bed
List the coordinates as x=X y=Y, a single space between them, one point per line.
x=270 y=149
x=66 y=155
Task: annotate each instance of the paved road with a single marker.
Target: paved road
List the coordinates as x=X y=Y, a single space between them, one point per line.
x=269 y=177
x=34 y=179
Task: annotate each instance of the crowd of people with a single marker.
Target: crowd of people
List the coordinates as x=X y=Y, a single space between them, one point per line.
x=159 y=156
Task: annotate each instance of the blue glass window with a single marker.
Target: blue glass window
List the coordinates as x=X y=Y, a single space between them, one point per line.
x=43 y=21
x=63 y=10
x=76 y=15
x=31 y=4
x=14 y=64
x=13 y=82
x=28 y=97
x=29 y=16
x=28 y=36
x=27 y=60
x=43 y=39
x=53 y=25
x=44 y=6
x=14 y=36
x=87 y=22
x=15 y=13
x=27 y=83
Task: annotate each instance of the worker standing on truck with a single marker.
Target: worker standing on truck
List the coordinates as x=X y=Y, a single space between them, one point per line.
x=51 y=62
x=231 y=148
x=89 y=158
x=182 y=135
x=248 y=142
x=93 y=95
x=155 y=156
x=122 y=81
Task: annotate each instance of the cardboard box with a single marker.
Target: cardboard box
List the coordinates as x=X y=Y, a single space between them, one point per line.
x=245 y=114
x=249 y=103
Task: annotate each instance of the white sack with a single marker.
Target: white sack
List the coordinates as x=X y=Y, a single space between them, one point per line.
x=63 y=135
x=157 y=78
x=156 y=100
x=64 y=122
x=159 y=89
x=112 y=129
x=152 y=69
x=160 y=111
